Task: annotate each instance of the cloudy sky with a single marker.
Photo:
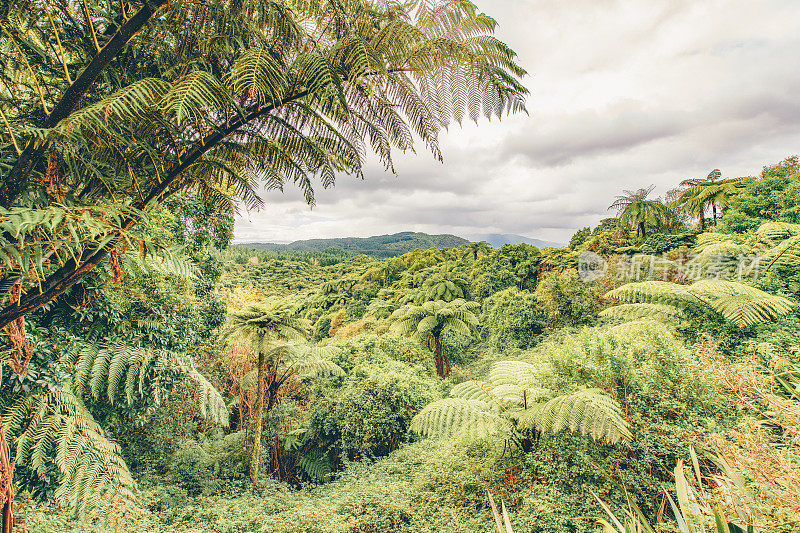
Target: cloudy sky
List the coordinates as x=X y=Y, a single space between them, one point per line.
x=624 y=94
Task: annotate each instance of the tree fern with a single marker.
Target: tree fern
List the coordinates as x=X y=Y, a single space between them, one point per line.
x=587 y=412
x=458 y=417
x=316 y=465
x=256 y=95
x=430 y=320
x=120 y=371
x=738 y=303
x=512 y=397
x=298 y=359
x=93 y=476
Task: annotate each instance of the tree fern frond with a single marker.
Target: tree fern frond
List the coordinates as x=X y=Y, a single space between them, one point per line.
x=642 y=310
x=133 y=102
x=93 y=476
x=737 y=302
x=317 y=367
x=193 y=96
x=210 y=402
x=784 y=256
x=741 y=304
x=588 y=412
x=662 y=292
x=456 y=416
x=316 y=465
x=257 y=74
x=472 y=390
x=118 y=369
x=777 y=231
x=517 y=373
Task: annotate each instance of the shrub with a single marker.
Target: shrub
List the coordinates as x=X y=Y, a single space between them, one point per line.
x=376 y=404
x=512 y=319
x=565 y=299
x=201 y=467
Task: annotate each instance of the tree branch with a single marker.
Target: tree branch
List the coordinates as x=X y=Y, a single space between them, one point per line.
x=17 y=178
x=69 y=274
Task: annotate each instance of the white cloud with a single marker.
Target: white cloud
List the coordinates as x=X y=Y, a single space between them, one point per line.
x=623 y=94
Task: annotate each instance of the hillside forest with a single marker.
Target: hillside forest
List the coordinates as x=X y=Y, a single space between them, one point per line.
x=155 y=377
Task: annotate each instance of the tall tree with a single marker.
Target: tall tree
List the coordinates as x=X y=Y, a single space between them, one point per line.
x=431 y=320
x=636 y=210
x=107 y=112
x=711 y=191
x=474 y=249
x=269 y=329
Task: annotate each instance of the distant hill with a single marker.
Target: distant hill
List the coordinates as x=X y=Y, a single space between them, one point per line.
x=499 y=239
x=378 y=246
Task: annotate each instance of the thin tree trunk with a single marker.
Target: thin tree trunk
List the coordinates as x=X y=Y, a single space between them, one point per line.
x=6 y=482
x=702 y=221
x=442 y=362
x=255 y=455
x=714 y=211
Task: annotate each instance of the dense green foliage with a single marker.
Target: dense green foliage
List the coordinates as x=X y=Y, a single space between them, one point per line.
x=559 y=388
x=156 y=379
x=378 y=246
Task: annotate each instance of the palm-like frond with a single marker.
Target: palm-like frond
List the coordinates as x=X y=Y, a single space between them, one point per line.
x=643 y=310
x=194 y=97
x=472 y=390
x=587 y=412
x=517 y=373
x=739 y=303
x=477 y=409
x=451 y=417
x=784 y=256
x=93 y=475
x=119 y=370
x=777 y=231
x=298 y=359
x=210 y=401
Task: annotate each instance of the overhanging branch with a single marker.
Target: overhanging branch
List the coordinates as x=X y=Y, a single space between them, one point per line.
x=17 y=177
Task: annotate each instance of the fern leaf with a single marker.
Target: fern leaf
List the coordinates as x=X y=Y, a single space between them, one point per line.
x=642 y=310
x=93 y=476
x=197 y=93
x=588 y=412
x=472 y=390
x=449 y=417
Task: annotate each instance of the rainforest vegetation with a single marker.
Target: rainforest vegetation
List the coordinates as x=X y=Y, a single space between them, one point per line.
x=157 y=378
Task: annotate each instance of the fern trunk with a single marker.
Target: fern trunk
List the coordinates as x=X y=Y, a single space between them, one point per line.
x=255 y=454
x=6 y=482
x=442 y=362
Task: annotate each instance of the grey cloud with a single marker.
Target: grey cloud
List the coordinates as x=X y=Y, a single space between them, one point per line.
x=591 y=132
x=624 y=94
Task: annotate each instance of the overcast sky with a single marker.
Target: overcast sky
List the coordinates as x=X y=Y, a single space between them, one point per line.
x=624 y=94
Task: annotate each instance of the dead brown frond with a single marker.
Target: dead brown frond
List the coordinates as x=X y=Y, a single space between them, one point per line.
x=763 y=452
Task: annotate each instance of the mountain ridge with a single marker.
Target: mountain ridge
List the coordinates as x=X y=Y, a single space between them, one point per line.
x=394 y=244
